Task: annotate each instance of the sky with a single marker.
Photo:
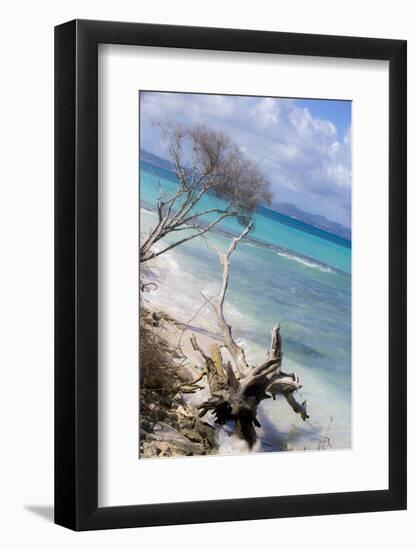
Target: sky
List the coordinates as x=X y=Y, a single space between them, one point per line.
x=302 y=146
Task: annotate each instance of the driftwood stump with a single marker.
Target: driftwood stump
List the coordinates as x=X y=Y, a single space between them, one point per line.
x=236 y=390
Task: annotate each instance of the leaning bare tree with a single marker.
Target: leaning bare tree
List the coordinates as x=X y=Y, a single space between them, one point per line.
x=204 y=161
x=236 y=390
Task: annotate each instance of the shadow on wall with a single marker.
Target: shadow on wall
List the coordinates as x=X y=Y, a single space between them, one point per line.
x=45 y=512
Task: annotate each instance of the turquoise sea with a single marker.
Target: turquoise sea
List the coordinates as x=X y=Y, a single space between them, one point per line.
x=287 y=272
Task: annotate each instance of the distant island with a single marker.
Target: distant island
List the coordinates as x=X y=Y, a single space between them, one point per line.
x=316 y=220
x=156 y=161
x=285 y=208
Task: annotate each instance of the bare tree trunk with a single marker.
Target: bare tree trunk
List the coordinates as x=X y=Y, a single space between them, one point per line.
x=236 y=392
x=235 y=350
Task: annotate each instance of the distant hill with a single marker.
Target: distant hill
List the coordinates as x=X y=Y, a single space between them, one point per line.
x=316 y=220
x=155 y=160
x=285 y=208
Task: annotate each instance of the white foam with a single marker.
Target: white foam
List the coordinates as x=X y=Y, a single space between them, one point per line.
x=231 y=444
x=307 y=263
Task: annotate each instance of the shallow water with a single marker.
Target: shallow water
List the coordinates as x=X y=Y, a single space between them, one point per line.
x=284 y=274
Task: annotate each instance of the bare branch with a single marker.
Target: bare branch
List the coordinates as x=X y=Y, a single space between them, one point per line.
x=186 y=326
x=188 y=238
x=297 y=407
x=215 y=382
x=234 y=349
x=174 y=226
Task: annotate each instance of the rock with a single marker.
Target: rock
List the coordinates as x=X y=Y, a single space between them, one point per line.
x=166 y=433
x=148 y=450
x=192 y=435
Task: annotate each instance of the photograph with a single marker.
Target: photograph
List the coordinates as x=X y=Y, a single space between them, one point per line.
x=208 y=335
x=245 y=274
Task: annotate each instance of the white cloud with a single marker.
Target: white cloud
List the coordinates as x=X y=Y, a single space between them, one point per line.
x=265 y=113
x=306 y=160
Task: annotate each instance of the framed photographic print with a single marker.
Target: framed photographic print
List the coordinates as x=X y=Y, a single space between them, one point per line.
x=230 y=275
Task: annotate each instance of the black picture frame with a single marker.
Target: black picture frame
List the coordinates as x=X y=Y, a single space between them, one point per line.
x=76 y=272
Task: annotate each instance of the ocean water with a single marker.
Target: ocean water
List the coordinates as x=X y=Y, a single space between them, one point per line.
x=286 y=272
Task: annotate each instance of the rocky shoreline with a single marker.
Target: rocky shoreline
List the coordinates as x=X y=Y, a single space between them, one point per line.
x=169 y=421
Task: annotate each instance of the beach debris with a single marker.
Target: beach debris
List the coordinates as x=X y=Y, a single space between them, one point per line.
x=236 y=391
